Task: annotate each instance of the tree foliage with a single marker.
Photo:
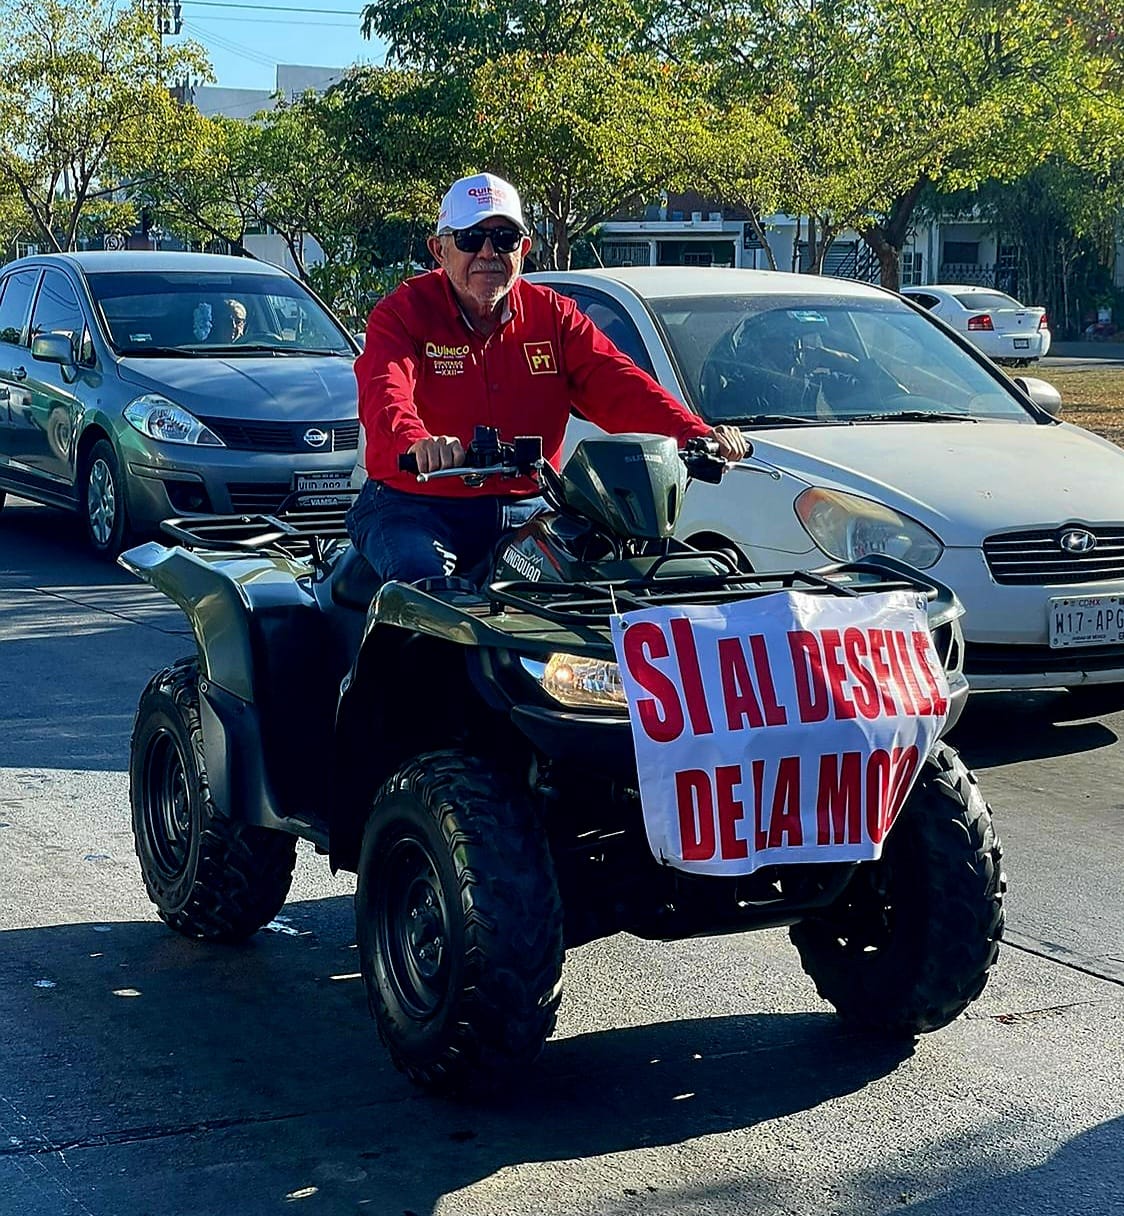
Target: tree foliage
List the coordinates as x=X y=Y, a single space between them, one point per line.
x=83 y=89
x=581 y=134
x=466 y=34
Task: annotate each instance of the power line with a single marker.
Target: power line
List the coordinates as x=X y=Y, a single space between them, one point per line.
x=234 y=48
x=323 y=25
x=275 y=8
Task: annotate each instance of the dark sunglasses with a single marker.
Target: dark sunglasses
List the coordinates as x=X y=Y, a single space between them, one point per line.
x=471 y=240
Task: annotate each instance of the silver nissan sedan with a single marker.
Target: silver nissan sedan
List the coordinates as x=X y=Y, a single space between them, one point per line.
x=139 y=386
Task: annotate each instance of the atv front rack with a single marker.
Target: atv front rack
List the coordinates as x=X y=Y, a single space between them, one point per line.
x=593 y=603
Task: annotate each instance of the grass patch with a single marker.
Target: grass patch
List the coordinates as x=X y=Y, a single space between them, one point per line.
x=1093 y=399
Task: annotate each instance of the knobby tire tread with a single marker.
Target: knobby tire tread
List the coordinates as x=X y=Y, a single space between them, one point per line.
x=508 y=1000
x=928 y=982
x=242 y=873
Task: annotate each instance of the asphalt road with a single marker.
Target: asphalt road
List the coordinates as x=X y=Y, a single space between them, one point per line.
x=143 y=1074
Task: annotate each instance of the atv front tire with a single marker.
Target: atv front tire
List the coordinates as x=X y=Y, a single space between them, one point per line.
x=909 y=944
x=208 y=875
x=459 y=922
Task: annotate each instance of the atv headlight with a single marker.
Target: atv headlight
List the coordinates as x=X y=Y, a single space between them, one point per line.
x=850 y=528
x=159 y=418
x=579 y=682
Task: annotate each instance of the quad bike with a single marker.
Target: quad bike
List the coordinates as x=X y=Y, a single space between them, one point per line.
x=481 y=776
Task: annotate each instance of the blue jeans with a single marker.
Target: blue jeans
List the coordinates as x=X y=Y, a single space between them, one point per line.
x=415 y=536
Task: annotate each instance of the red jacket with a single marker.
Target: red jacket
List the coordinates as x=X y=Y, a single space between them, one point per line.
x=424 y=371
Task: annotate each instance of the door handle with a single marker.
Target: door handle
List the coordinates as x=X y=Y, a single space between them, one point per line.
x=19 y=373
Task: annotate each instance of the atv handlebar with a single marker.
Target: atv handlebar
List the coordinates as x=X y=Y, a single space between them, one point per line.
x=486 y=456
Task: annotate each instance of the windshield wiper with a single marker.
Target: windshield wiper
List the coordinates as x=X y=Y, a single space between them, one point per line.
x=775 y=420
x=911 y=416
x=263 y=348
x=163 y=352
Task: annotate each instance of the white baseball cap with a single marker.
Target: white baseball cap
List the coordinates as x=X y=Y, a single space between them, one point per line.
x=476 y=198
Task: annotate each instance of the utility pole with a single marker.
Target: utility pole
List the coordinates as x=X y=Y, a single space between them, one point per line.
x=167 y=16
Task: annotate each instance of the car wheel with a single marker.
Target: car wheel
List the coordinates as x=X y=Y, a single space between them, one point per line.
x=209 y=875
x=910 y=943
x=102 y=501
x=459 y=923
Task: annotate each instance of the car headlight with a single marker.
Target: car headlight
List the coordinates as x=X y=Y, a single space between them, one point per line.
x=850 y=528
x=159 y=418
x=579 y=682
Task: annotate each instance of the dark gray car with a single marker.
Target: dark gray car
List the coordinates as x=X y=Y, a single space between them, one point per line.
x=139 y=386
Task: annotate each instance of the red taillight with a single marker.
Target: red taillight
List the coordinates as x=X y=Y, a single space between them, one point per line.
x=1042 y=323
x=980 y=322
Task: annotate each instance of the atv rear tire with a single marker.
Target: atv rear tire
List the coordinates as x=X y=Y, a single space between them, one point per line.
x=910 y=943
x=208 y=875
x=459 y=922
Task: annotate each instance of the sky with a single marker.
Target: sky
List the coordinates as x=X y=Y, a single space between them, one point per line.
x=246 y=40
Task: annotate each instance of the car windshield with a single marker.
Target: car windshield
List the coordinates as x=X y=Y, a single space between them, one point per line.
x=979 y=300
x=167 y=314
x=824 y=359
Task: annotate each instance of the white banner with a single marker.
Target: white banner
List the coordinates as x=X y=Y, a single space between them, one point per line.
x=784 y=729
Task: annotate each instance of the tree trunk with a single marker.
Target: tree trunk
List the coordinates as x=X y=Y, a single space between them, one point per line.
x=561 y=247
x=889 y=258
x=759 y=232
x=887 y=240
x=821 y=237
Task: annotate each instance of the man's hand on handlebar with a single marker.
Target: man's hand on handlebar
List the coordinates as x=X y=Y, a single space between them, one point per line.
x=732 y=444
x=437 y=452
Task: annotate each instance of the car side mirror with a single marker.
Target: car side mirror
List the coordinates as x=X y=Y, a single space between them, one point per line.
x=1041 y=393
x=361 y=339
x=53 y=348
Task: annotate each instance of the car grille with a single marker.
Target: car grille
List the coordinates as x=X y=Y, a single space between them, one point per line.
x=255 y=435
x=256 y=497
x=985 y=659
x=1037 y=558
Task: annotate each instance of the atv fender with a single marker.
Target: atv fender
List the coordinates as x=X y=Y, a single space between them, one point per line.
x=269 y=676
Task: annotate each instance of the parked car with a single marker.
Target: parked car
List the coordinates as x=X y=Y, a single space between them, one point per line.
x=1005 y=330
x=876 y=429
x=137 y=386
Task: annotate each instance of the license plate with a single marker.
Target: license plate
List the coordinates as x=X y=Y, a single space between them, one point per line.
x=1086 y=620
x=1022 y=344
x=321 y=483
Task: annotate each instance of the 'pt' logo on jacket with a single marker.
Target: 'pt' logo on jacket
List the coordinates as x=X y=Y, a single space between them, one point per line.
x=447 y=360
x=540 y=358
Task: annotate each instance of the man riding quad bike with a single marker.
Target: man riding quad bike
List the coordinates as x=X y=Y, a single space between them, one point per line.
x=483 y=776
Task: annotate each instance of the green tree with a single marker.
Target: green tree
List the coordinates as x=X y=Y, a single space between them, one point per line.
x=582 y=134
x=465 y=34
x=209 y=184
x=992 y=89
x=889 y=95
x=310 y=185
x=84 y=89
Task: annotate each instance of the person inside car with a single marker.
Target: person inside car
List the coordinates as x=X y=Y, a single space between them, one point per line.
x=223 y=325
x=469 y=343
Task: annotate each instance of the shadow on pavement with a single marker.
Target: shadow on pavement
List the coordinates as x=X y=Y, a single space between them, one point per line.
x=146 y=1041
x=38 y=542
x=1088 y=1165
x=1005 y=728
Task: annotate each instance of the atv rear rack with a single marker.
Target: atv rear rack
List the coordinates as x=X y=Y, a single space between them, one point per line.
x=298 y=533
x=593 y=603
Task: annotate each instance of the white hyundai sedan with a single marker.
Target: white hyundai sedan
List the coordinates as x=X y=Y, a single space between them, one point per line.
x=875 y=429
x=997 y=323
